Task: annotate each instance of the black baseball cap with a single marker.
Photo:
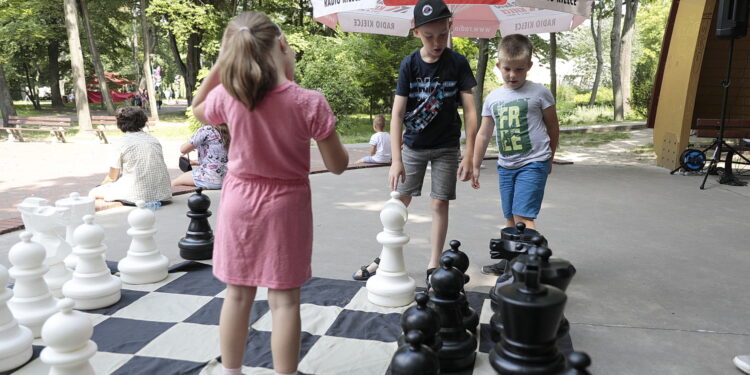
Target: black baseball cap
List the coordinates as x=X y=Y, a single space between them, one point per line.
x=430 y=10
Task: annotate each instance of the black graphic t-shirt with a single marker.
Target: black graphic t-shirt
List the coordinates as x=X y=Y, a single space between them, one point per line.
x=417 y=80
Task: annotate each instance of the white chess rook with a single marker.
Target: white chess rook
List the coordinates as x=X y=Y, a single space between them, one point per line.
x=92 y=285
x=79 y=207
x=15 y=340
x=46 y=222
x=143 y=264
x=69 y=348
x=32 y=303
x=391 y=286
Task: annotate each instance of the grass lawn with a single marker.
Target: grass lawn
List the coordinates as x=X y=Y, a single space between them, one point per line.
x=590 y=139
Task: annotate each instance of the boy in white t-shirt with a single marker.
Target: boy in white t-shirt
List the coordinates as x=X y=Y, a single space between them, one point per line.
x=380 y=144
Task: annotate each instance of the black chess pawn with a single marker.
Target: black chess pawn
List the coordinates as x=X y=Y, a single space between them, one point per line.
x=198 y=243
x=554 y=271
x=461 y=262
x=423 y=318
x=415 y=358
x=578 y=363
x=459 y=344
x=531 y=314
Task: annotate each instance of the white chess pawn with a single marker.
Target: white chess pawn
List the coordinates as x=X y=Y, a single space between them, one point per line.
x=92 y=285
x=391 y=286
x=143 y=264
x=32 y=303
x=79 y=207
x=46 y=222
x=15 y=340
x=67 y=335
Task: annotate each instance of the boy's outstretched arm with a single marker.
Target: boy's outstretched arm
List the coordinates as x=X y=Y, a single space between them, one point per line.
x=480 y=147
x=470 y=125
x=397 y=118
x=212 y=80
x=549 y=115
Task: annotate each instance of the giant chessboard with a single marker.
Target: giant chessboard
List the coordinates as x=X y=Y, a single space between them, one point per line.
x=171 y=327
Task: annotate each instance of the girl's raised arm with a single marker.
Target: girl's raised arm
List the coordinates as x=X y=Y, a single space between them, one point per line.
x=212 y=80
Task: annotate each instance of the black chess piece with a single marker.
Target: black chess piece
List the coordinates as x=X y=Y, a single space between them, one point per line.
x=506 y=247
x=531 y=314
x=554 y=271
x=459 y=344
x=461 y=262
x=415 y=358
x=423 y=318
x=198 y=243
x=578 y=363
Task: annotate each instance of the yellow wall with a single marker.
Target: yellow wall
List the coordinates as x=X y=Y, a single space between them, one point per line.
x=680 y=82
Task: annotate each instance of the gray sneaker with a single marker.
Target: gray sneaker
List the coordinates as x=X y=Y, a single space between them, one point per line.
x=496 y=269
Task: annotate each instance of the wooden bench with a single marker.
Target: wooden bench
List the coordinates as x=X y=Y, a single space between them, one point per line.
x=733 y=128
x=101 y=123
x=56 y=126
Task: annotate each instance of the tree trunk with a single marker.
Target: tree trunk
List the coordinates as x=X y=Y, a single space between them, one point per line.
x=6 y=104
x=76 y=64
x=192 y=64
x=136 y=65
x=53 y=54
x=596 y=33
x=628 y=32
x=176 y=54
x=615 y=38
x=147 y=63
x=31 y=88
x=481 y=72
x=106 y=97
x=553 y=64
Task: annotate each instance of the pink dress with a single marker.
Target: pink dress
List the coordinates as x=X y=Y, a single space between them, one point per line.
x=264 y=225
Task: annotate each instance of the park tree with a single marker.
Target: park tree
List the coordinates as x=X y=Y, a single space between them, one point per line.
x=6 y=104
x=621 y=38
x=597 y=9
x=191 y=26
x=650 y=26
x=95 y=59
x=76 y=59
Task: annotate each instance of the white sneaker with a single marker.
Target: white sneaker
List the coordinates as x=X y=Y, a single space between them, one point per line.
x=743 y=363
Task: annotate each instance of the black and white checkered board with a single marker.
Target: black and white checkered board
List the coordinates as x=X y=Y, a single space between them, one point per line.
x=171 y=327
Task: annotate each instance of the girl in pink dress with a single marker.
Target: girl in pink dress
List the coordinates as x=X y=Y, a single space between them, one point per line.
x=264 y=226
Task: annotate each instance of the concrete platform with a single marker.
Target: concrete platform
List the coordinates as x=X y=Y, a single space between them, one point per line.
x=662 y=284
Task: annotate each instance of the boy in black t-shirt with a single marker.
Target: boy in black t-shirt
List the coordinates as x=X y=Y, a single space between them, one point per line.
x=432 y=81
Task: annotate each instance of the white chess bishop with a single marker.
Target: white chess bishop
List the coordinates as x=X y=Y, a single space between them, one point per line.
x=15 y=340
x=67 y=335
x=32 y=303
x=391 y=286
x=92 y=285
x=79 y=207
x=46 y=222
x=143 y=264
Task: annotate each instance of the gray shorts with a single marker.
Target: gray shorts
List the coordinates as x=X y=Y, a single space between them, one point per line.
x=444 y=166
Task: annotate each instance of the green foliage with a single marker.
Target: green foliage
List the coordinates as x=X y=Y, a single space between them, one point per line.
x=330 y=68
x=651 y=23
x=585 y=115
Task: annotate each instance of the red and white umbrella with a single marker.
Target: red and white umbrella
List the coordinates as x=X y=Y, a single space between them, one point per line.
x=471 y=18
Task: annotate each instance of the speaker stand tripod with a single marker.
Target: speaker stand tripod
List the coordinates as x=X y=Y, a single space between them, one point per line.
x=728 y=178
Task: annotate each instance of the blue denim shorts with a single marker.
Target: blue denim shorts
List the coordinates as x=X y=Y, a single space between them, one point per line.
x=205 y=185
x=522 y=189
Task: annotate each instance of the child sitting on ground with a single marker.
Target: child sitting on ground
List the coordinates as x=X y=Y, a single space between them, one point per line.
x=380 y=144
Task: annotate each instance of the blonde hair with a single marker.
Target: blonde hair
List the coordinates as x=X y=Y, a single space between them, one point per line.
x=247 y=67
x=514 y=47
x=379 y=122
x=226 y=138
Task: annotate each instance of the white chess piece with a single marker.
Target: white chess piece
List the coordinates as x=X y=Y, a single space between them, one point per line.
x=391 y=286
x=92 y=285
x=67 y=335
x=15 y=340
x=143 y=264
x=79 y=207
x=46 y=222
x=32 y=303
